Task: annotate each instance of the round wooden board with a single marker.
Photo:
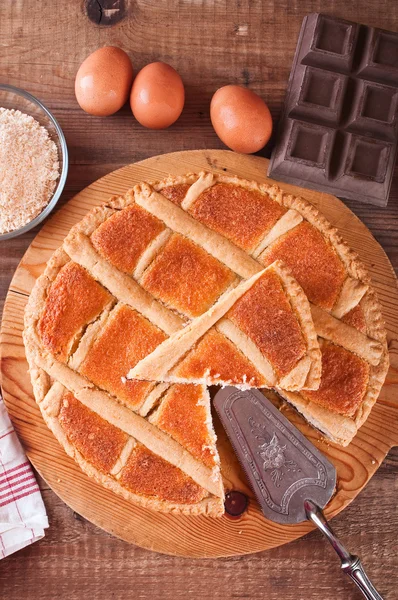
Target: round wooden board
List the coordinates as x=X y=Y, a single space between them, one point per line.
x=179 y=535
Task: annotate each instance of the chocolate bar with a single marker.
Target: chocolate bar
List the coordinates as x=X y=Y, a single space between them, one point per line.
x=338 y=131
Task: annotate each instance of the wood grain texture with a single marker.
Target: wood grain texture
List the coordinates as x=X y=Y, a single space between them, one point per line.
x=210 y=43
x=170 y=534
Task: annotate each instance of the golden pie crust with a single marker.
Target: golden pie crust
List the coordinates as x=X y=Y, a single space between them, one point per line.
x=168 y=261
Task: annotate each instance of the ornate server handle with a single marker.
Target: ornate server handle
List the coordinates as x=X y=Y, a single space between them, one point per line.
x=349 y=563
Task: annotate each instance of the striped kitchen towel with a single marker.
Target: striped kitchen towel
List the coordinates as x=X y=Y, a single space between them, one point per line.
x=22 y=513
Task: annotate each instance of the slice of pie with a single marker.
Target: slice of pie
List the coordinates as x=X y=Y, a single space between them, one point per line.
x=259 y=334
x=226 y=265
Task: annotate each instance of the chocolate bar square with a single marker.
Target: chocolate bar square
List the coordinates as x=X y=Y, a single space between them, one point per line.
x=367 y=159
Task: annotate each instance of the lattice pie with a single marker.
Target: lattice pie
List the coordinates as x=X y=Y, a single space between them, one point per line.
x=197 y=280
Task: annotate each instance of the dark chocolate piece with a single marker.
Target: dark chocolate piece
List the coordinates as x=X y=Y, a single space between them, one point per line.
x=236 y=503
x=283 y=468
x=339 y=126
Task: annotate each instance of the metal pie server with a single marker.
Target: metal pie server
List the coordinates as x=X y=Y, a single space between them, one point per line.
x=290 y=478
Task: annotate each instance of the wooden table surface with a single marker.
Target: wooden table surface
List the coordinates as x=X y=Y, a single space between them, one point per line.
x=211 y=43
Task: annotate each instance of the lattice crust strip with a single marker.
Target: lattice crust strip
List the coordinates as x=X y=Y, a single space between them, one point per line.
x=155 y=266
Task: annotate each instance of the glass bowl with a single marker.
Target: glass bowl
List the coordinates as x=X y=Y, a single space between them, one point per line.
x=12 y=97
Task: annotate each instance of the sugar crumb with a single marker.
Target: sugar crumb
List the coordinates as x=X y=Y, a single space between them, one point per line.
x=29 y=169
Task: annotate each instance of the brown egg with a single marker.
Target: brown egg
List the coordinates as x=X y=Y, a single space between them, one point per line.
x=241 y=119
x=157 y=96
x=103 y=81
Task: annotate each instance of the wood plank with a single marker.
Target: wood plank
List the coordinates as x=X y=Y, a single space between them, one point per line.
x=76 y=559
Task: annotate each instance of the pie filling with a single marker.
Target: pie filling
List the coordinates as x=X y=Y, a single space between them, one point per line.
x=265 y=315
x=99 y=442
x=74 y=300
x=312 y=261
x=124 y=340
x=184 y=413
x=344 y=381
x=147 y=474
x=356 y=318
x=216 y=359
x=123 y=238
x=175 y=193
x=185 y=277
x=243 y=216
